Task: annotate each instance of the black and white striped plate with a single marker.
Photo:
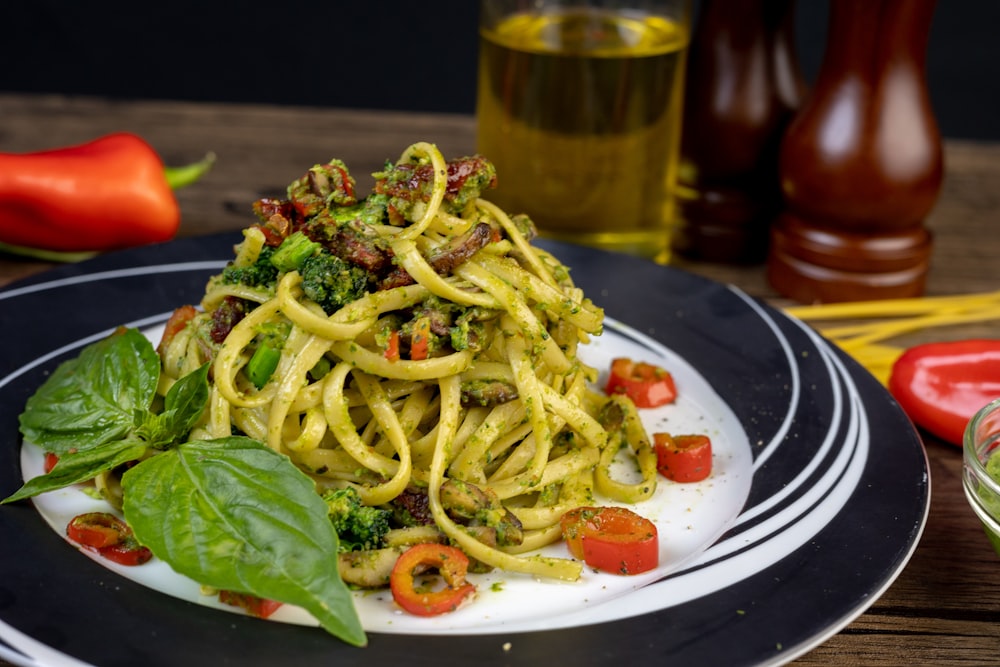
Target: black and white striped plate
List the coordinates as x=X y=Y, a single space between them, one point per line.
x=820 y=494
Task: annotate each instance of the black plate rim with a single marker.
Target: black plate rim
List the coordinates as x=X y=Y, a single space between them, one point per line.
x=757 y=617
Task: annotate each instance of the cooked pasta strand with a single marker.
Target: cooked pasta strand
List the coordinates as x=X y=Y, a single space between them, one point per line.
x=455 y=360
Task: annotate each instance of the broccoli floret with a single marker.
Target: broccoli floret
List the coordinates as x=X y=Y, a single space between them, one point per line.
x=331 y=282
x=369 y=211
x=358 y=526
x=373 y=209
x=271 y=261
x=294 y=251
x=261 y=273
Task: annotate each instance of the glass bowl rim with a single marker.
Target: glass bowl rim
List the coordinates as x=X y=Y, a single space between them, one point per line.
x=971 y=452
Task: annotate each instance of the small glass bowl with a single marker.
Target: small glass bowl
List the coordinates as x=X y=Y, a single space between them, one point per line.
x=982 y=480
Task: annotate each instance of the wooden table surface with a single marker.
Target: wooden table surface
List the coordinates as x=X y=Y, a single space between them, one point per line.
x=944 y=609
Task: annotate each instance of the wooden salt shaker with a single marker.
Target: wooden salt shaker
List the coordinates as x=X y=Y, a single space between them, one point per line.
x=861 y=165
x=743 y=85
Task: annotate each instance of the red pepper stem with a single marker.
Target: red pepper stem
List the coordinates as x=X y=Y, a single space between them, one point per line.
x=47 y=255
x=179 y=177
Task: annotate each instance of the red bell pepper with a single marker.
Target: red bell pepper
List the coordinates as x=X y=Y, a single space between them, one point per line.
x=612 y=539
x=648 y=386
x=941 y=386
x=453 y=565
x=110 y=193
x=683 y=458
x=109 y=536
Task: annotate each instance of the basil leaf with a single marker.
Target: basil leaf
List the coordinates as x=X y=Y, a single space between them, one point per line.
x=96 y=398
x=235 y=515
x=186 y=400
x=182 y=408
x=81 y=466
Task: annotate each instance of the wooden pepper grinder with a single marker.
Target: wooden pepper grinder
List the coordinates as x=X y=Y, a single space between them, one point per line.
x=861 y=165
x=743 y=88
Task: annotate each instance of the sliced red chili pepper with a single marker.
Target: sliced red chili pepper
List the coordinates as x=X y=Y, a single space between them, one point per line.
x=128 y=552
x=941 y=386
x=420 y=340
x=52 y=459
x=109 y=536
x=612 y=539
x=683 y=458
x=449 y=561
x=648 y=385
x=392 y=346
x=96 y=529
x=255 y=606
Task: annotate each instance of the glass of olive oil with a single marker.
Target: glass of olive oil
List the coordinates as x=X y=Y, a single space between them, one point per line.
x=579 y=107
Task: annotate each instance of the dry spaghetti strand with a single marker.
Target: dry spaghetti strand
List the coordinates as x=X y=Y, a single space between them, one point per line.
x=875 y=322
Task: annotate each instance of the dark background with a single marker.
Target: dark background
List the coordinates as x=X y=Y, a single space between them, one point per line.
x=388 y=54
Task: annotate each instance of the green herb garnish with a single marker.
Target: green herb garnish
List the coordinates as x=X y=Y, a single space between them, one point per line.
x=230 y=513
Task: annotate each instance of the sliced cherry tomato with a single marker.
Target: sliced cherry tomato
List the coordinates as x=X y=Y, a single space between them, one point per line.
x=683 y=458
x=941 y=386
x=51 y=459
x=255 y=606
x=109 y=536
x=449 y=561
x=392 y=346
x=612 y=539
x=648 y=386
x=420 y=340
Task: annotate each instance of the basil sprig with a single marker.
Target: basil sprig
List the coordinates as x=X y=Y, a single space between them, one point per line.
x=230 y=513
x=101 y=396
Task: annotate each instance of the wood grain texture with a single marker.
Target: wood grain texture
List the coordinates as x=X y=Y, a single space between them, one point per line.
x=944 y=609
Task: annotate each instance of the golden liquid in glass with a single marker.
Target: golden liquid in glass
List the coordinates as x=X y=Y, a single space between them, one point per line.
x=580 y=112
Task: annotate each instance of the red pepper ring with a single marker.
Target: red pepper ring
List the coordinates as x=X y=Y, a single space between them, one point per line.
x=683 y=458
x=612 y=539
x=128 y=552
x=97 y=530
x=252 y=604
x=109 y=536
x=450 y=562
x=648 y=385
x=51 y=459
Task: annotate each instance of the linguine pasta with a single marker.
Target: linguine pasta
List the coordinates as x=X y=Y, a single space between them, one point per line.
x=500 y=402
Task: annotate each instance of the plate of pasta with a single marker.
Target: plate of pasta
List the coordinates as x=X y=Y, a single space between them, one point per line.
x=222 y=410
